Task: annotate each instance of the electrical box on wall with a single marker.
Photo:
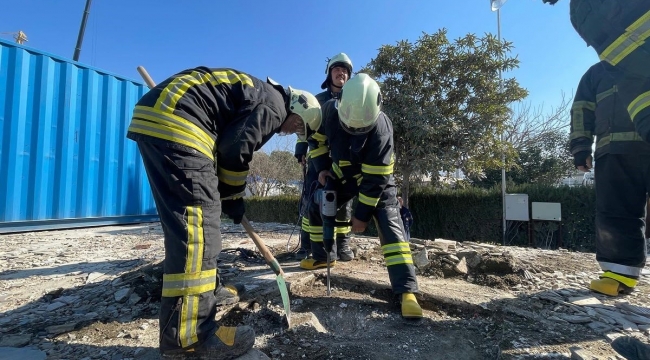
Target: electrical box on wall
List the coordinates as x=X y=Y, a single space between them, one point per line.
x=517 y=207
x=547 y=211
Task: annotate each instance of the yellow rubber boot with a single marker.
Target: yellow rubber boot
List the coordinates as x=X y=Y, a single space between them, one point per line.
x=613 y=284
x=312 y=264
x=410 y=307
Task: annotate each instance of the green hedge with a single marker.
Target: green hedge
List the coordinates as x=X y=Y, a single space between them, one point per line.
x=473 y=214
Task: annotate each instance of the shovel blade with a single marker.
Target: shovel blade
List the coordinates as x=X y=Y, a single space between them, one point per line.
x=284 y=293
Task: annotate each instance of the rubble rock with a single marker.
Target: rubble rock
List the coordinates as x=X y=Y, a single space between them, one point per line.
x=15 y=340
x=421 y=259
x=461 y=267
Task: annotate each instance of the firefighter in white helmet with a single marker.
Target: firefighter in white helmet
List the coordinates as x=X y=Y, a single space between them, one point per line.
x=338 y=71
x=359 y=138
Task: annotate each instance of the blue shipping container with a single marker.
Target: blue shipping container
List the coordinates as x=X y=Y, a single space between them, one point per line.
x=64 y=158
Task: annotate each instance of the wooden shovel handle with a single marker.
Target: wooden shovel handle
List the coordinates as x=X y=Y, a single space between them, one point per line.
x=270 y=259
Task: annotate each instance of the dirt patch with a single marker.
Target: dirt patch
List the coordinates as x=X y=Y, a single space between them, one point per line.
x=479 y=301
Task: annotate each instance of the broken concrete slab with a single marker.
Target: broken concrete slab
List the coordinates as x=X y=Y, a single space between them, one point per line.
x=461 y=267
x=578 y=353
x=254 y=354
x=584 y=300
x=19 y=340
x=306 y=319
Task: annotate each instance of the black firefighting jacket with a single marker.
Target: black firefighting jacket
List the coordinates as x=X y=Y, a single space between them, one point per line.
x=599 y=112
x=366 y=160
x=225 y=114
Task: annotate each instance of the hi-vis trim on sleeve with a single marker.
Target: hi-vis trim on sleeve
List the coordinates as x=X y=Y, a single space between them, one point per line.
x=343 y=163
x=379 y=169
x=318 y=152
x=319 y=137
x=232 y=178
x=639 y=104
x=633 y=37
x=179 y=86
x=370 y=201
x=578 y=117
x=337 y=171
x=579 y=134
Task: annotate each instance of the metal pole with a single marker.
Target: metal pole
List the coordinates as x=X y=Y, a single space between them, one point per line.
x=503 y=154
x=82 y=29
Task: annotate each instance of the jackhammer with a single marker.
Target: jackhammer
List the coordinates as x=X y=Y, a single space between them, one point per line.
x=326 y=199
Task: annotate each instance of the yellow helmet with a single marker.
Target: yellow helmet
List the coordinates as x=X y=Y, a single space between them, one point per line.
x=304 y=104
x=360 y=104
x=340 y=59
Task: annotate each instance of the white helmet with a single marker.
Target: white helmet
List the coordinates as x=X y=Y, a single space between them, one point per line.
x=305 y=104
x=340 y=59
x=360 y=104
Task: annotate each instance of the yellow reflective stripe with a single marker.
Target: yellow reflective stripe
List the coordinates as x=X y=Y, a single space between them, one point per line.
x=396 y=247
x=579 y=134
x=316 y=237
x=158 y=131
x=587 y=105
x=175 y=90
x=194 y=239
x=379 y=169
x=604 y=94
x=620 y=278
x=188 y=316
x=639 y=104
x=342 y=229
x=633 y=37
x=300 y=141
x=337 y=170
x=188 y=283
x=174 y=121
x=344 y=163
x=318 y=152
x=622 y=136
x=232 y=178
x=370 y=201
x=359 y=181
x=319 y=137
x=399 y=259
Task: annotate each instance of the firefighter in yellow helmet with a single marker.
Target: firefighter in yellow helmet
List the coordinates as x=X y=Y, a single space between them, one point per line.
x=338 y=72
x=196 y=132
x=359 y=138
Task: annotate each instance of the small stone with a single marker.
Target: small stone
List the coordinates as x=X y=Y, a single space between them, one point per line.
x=461 y=267
x=122 y=294
x=599 y=327
x=343 y=305
x=55 y=305
x=584 y=300
x=92 y=277
x=15 y=340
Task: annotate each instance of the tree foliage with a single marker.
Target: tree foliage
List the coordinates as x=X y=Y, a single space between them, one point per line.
x=541 y=141
x=274 y=173
x=446 y=103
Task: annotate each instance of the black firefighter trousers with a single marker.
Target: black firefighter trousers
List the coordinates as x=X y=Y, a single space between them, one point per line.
x=396 y=251
x=184 y=186
x=622 y=183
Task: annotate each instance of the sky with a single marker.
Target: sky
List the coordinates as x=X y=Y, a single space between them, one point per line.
x=290 y=40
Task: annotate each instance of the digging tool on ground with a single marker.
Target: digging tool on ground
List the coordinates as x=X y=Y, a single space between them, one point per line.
x=274 y=264
x=270 y=259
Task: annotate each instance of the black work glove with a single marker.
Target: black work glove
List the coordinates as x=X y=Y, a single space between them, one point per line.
x=234 y=208
x=580 y=158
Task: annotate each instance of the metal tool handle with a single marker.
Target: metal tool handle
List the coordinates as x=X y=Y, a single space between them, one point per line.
x=270 y=259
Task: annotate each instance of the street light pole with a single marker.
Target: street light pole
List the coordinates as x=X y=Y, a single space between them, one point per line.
x=496 y=6
x=503 y=139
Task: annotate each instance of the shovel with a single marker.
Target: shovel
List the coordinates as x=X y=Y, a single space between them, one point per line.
x=270 y=259
x=275 y=266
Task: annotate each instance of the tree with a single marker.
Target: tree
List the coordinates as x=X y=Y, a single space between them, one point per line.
x=541 y=141
x=273 y=173
x=446 y=103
